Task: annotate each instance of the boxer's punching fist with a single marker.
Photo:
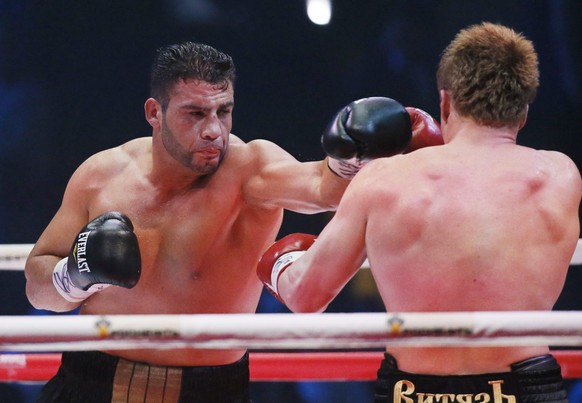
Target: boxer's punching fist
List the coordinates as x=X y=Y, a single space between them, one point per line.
x=365 y=129
x=105 y=252
x=426 y=130
x=279 y=256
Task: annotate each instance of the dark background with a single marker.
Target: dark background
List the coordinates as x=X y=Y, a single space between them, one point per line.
x=74 y=77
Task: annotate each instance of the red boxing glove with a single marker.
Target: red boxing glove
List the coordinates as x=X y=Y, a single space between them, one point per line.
x=426 y=130
x=279 y=256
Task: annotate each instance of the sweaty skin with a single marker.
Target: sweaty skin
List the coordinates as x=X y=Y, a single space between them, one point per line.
x=477 y=224
x=201 y=229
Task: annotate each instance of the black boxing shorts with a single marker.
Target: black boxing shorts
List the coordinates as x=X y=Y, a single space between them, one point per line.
x=95 y=377
x=537 y=379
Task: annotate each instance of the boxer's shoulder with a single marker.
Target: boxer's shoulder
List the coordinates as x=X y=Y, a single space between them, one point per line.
x=257 y=153
x=107 y=165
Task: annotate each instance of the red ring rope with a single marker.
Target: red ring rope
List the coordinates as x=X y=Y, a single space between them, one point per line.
x=304 y=366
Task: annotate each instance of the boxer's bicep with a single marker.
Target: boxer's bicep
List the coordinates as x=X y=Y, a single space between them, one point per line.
x=281 y=181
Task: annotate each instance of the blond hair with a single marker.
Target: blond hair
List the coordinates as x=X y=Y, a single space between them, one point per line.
x=491 y=73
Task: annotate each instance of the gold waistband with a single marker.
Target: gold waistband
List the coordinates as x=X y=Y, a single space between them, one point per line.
x=137 y=382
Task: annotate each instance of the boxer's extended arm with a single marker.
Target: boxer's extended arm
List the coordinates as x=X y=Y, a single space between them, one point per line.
x=308 y=281
x=365 y=129
x=280 y=181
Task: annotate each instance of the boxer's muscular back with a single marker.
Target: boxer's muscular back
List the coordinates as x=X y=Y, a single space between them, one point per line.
x=474 y=230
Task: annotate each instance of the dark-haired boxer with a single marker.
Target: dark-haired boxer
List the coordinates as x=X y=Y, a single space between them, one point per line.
x=178 y=221
x=478 y=224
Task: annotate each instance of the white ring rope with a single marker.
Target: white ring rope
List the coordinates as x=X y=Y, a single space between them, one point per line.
x=290 y=331
x=13 y=256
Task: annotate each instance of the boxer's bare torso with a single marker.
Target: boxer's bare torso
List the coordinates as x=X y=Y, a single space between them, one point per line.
x=199 y=247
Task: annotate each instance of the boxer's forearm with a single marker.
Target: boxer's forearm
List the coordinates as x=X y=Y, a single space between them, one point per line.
x=40 y=290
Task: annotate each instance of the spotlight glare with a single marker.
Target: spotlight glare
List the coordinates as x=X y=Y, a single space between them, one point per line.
x=319 y=11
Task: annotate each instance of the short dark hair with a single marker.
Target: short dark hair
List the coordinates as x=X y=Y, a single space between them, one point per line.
x=189 y=60
x=491 y=73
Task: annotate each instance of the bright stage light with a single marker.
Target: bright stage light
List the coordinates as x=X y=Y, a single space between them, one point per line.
x=319 y=11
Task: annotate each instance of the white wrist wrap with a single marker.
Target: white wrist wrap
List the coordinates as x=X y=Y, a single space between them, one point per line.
x=67 y=289
x=346 y=169
x=281 y=264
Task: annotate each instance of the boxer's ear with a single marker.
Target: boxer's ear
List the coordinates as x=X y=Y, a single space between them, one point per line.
x=153 y=112
x=445 y=104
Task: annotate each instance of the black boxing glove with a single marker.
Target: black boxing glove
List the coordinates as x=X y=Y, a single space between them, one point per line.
x=366 y=129
x=105 y=252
